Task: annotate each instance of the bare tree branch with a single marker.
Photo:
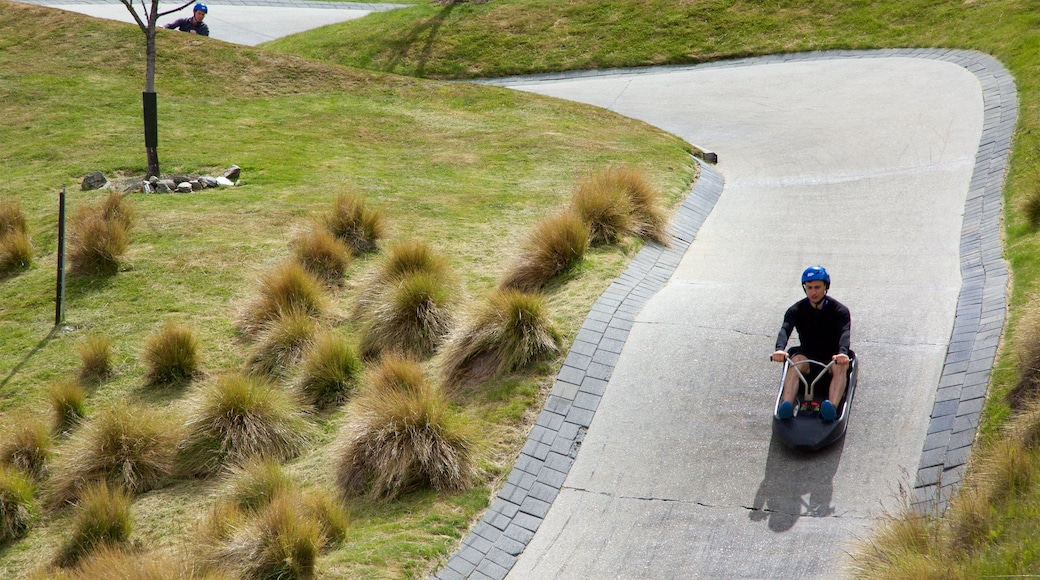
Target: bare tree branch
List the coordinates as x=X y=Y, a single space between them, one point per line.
x=133 y=12
x=178 y=9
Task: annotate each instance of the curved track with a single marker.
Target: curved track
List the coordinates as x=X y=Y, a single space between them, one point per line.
x=886 y=170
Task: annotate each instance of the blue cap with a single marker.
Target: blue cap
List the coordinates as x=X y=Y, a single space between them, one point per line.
x=200 y=7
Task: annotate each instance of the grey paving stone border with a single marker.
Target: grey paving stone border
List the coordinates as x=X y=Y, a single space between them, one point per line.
x=497 y=540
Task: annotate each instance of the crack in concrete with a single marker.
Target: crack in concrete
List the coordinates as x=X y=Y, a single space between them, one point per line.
x=830 y=513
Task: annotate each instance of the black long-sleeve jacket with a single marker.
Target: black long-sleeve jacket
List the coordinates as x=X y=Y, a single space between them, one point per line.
x=821 y=333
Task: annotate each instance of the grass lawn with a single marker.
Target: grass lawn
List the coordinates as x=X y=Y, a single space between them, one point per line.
x=467 y=168
x=511 y=37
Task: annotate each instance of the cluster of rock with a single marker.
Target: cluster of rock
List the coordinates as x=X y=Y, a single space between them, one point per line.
x=173 y=183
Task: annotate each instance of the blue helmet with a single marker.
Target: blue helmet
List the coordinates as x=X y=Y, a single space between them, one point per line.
x=816 y=273
x=200 y=7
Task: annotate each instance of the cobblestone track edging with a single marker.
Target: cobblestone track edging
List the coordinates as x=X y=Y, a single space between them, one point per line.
x=497 y=540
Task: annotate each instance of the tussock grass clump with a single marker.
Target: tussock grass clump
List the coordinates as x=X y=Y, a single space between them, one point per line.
x=278 y=542
x=404 y=305
x=651 y=219
x=95 y=357
x=251 y=487
x=12 y=219
x=127 y=447
x=68 y=404
x=253 y=484
x=604 y=206
x=102 y=518
x=323 y=254
x=397 y=373
x=282 y=343
x=399 y=439
x=620 y=201
x=1027 y=349
x=26 y=445
x=901 y=546
x=15 y=245
x=116 y=562
x=401 y=260
x=331 y=370
x=286 y=288
x=509 y=331
x=329 y=513
x=18 y=508
x=356 y=223
x=1031 y=205
x=257 y=495
x=16 y=252
x=171 y=355
x=114 y=209
x=412 y=317
x=239 y=417
x=556 y=244
x=98 y=237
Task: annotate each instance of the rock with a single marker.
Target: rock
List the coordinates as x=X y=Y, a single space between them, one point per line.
x=225 y=182
x=184 y=187
x=207 y=181
x=232 y=173
x=164 y=186
x=94 y=180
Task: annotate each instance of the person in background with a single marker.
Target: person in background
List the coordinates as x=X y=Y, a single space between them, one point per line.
x=193 y=24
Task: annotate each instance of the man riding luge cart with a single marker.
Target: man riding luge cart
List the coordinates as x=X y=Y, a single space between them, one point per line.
x=809 y=415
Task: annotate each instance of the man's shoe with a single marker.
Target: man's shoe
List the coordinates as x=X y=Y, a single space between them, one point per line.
x=828 y=412
x=785 y=410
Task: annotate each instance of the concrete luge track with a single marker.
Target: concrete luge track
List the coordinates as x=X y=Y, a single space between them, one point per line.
x=653 y=456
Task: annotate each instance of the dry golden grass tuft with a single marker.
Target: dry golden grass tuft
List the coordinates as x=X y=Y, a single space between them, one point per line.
x=507 y=332
x=101 y=518
x=556 y=244
x=119 y=561
x=356 y=223
x=68 y=404
x=330 y=371
x=239 y=417
x=26 y=445
x=95 y=358
x=605 y=207
x=16 y=252
x=405 y=305
x=647 y=202
x=171 y=355
x=99 y=236
x=282 y=343
x=15 y=245
x=401 y=436
x=12 y=219
x=322 y=254
x=279 y=539
x=1027 y=349
x=18 y=508
x=286 y=288
x=129 y=447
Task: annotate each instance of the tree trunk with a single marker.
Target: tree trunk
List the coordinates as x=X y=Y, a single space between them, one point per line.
x=151 y=116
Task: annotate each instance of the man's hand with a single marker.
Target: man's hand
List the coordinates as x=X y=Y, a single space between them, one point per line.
x=840 y=359
x=779 y=356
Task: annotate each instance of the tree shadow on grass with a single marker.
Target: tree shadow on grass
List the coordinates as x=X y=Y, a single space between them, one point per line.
x=423 y=33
